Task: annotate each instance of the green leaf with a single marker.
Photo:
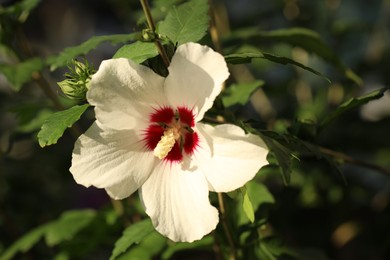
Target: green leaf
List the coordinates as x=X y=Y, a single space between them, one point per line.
x=148 y=248
x=137 y=51
x=55 y=232
x=21 y=73
x=254 y=194
x=132 y=234
x=54 y=127
x=241 y=58
x=25 y=243
x=240 y=93
x=186 y=23
x=20 y=9
x=282 y=154
x=300 y=37
x=68 y=225
x=205 y=242
x=247 y=205
x=351 y=104
x=73 y=52
x=259 y=194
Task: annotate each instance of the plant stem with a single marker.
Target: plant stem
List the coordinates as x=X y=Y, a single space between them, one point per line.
x=233 y=252
x=149 y=19
x=348 y=159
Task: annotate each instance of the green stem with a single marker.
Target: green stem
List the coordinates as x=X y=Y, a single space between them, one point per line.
x=233 y=252
x=149 y=19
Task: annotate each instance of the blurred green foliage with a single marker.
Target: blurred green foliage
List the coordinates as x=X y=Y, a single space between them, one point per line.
x=325 y=193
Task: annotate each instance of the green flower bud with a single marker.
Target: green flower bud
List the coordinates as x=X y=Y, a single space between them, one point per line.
x=76 y=84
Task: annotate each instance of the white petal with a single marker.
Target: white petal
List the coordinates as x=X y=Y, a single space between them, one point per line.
x=228 y=157
x=177 y=202
x=196 y=75
x=123 y=91
x=111 y=159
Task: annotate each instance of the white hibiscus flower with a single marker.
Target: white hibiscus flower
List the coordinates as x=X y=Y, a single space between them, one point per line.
x=147 y=136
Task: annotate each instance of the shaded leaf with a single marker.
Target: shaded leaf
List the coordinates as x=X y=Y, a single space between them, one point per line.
x=72 y=52
x=186 y=23
x=55 y=232
x=21 y=73
x=301 y=37
x=20 y=9
x=132 y=234
x=205 y=242
x=241 y=58
x=54 y=126
x=282 y=154
x=351 y=104
x=24 y=243
x=259 y=194
x=240 y=93
x=137 y=51
x=68 y=225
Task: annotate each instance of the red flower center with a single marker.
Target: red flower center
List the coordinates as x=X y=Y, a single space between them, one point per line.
x=170 y=134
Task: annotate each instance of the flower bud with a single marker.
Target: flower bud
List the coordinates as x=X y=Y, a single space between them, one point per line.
x=76 y=84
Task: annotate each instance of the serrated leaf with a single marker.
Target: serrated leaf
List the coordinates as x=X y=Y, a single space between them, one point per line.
x=132 y=234
x=240 y=93
x=68 y=225
x=25 y=243
x=54 y=126
x=186 y=23
x=351 y=104
x=241 y=58
x=137 y=51
x=21 y=73
x=247 y=205
x=70 y=53
x=300 y=37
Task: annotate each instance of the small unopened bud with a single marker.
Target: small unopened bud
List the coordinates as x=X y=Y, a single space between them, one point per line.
x=148 y=35
x=76 y=84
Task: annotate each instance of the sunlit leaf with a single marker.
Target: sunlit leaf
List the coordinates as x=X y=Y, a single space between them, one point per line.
x=21 y=73
x=68 y=225
x=70 y=53
x=247 y=205
x=132 y=234
x=137 y=51
x=186 y=23
x=351 y=104
x=241 y=58
x=240 y=93
x=54 y=126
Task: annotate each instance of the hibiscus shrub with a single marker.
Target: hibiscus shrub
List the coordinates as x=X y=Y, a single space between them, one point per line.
x=204 y=129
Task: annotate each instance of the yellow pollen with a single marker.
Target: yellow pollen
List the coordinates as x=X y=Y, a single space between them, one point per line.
x=167 y=141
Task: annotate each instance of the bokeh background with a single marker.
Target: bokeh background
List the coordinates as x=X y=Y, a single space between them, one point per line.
x=345 y=216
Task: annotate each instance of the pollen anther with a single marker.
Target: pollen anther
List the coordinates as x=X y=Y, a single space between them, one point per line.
x=167 y=141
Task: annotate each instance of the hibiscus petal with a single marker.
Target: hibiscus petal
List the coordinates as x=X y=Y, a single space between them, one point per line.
x=228 y=157
x=111 y=159
x=177 y=202
x=123 y=92
x=196 y=75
